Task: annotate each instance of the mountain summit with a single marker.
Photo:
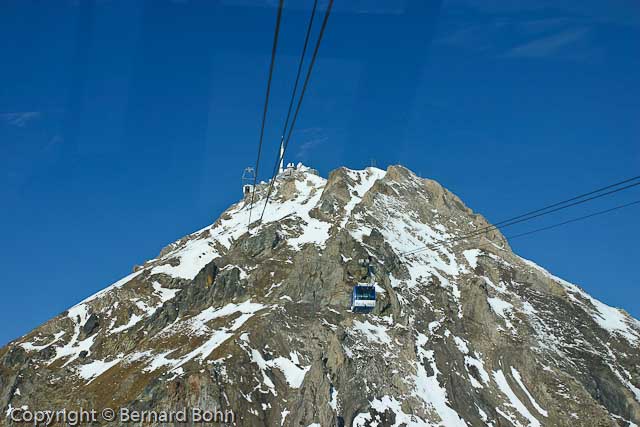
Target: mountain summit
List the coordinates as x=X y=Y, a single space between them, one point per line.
x=258 y=321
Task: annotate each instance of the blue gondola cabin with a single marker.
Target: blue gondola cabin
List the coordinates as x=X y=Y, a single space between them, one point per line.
x=363 y=298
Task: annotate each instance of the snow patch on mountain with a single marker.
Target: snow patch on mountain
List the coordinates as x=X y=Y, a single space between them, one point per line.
x=29 y=346
x=429 y=389
x=133 y=320
x=516 y=376
x=161 y=294
x=382 y=405
x=364 y=180
x=199 y=328
x=72 y=349
x=197 y=252
x=373 y=333
x=477 y=363
x=514 y=403
x=471 y=255
x=608 y=318
x=503 y=309
x=192 y=257
x=291 y=368
x=92 y=370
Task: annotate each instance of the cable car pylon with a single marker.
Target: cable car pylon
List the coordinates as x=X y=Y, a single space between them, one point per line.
x=248 y=178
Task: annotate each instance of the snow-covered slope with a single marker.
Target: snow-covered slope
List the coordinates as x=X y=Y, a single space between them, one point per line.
x=257 y=321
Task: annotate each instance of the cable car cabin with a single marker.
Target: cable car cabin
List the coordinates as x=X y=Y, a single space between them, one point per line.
x=363 y=298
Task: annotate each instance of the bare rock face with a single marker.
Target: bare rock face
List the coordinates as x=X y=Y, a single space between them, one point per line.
x=464 y=333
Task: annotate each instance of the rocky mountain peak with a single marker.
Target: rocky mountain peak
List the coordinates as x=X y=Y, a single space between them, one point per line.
x=257 y=319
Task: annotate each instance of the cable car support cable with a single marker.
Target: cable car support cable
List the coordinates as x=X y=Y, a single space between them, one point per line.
x=299 y=104
x=528 y=216
x=266 y=102
x=293 y=95
x=580 y=218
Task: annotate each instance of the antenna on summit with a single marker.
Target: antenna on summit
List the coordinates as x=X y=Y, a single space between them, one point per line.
x=281 y=166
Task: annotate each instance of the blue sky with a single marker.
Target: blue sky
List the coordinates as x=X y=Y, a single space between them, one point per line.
x=125 y=125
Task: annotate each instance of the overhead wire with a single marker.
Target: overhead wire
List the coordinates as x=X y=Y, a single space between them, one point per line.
x=580 y=218
x=538 y=212
x=481 y=231
x=293 y=94
x=530 y=215
x=298 y=74
x=298 y=105
x=635 y=178
x=266 y=102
